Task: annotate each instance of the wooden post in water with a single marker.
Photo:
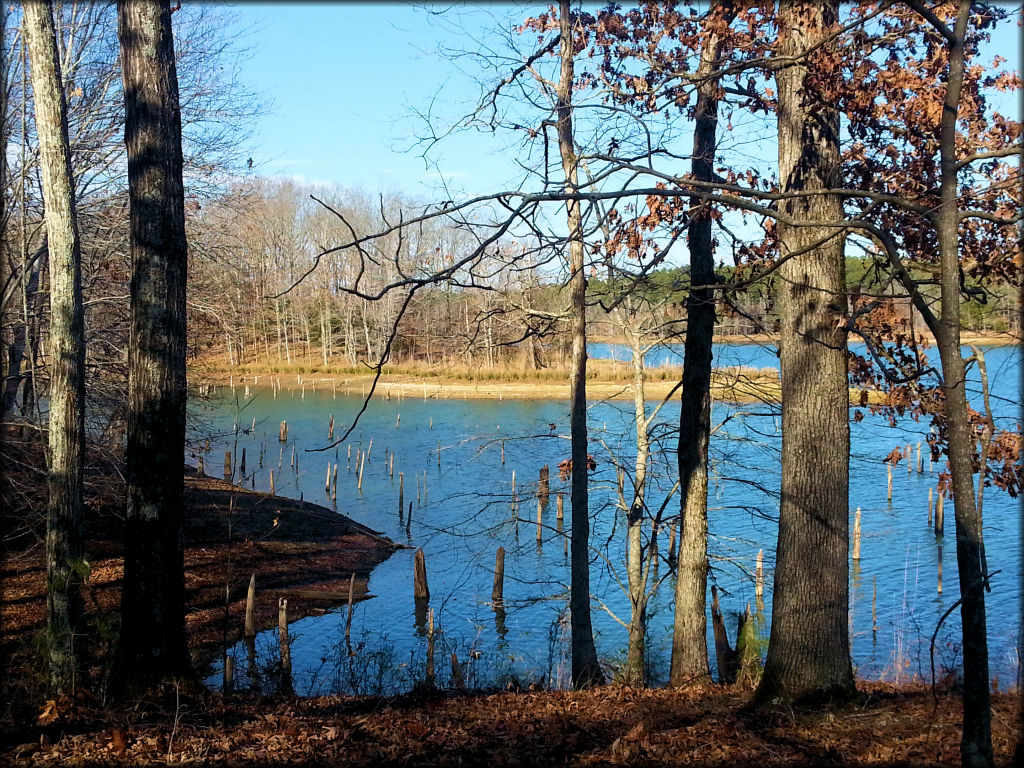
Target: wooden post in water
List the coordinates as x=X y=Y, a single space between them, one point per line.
x=540 y=521
x=369 y=448
x=201 y=468
x=430 y=647
x=241 y=467
x=327 y=482
x=401 y=493
x=351 y=602
x=672 y=543
x=888 y=468
x=498 y=590
x=272 y=492
x=920 y=464
x=229 y=673
x=424 y=486
x=874 y=600
x=227 y=465
x=293 y=457
x=910 y=456
x=282 y=433
x=420 y=589
x=503 y=453
x=282 y=638
x=543 y=485
x=759 y=575
x=330 y=429
x=940 y=566
x=438 y=452
x=391 y=465
x=457 y=679
x=359 y=477
x=398 y=420
x=250 y=609
x=560 y=507
x=931 y=491
x=856 y=535
x=334 y=484
x=939 y=517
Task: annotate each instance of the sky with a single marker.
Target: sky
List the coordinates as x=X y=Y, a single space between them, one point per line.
x=346 y=82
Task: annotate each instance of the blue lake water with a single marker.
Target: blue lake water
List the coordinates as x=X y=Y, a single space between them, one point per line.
x=465 y=513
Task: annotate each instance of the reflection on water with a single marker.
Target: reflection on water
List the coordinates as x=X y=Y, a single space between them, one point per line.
x=461 y=509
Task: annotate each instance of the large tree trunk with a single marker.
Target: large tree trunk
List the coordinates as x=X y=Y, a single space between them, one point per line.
x=689 y=634
x=809 y=649
x=976 y=736
x=585 y=668
x=64 y=548
x=153 y=641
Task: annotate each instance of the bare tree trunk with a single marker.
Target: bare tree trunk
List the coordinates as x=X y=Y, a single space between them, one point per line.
x=65 y=562
x=976 y=737
x=689 y=634
x=636 y=570
x=585 y=668
x=153 y=640
x=6 y=274
x=16 y=349
x=809 y=648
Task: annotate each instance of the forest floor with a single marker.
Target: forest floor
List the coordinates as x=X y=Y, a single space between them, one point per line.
x=613 y=725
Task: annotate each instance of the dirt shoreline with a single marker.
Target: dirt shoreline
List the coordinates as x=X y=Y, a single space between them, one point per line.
x=297 y=549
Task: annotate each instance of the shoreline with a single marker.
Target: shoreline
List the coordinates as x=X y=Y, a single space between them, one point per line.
x=606 y=379
x=739 y=387
x=297 y=549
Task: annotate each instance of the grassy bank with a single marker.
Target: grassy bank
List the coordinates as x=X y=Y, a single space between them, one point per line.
x=606 y=379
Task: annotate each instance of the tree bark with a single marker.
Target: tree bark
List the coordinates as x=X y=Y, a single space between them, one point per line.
x=809 y=649
x=637 y=571
x=689 y=635
x=65 y=563
x=585 y=668
x=976 y=736
x=153 y=640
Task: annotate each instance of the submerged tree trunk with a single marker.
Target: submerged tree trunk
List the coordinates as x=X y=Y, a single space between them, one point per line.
x=585 y=668
x=689 y=634
x=809 y=649
x=65 y=563
x=153 y=641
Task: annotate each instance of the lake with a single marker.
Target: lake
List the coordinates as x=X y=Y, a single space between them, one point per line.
x=462 y=511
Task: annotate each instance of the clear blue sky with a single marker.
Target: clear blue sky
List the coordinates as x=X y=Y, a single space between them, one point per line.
x=346 y=79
